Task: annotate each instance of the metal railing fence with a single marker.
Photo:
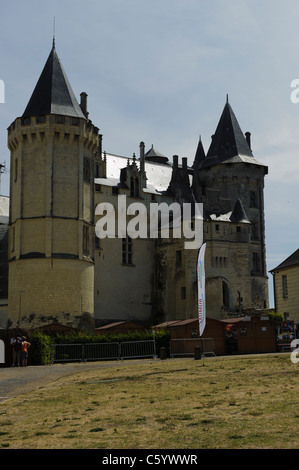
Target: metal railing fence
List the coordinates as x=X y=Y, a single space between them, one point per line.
x=102 y=351
x=132 y=349
x=66 y=353
x=186 y=346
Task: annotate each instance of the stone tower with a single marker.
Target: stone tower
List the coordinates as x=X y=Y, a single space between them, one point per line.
x=51 y=245
x=229 y=181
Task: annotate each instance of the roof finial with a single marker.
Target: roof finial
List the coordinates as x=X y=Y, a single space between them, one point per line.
x=54 y=31
x=227 y=97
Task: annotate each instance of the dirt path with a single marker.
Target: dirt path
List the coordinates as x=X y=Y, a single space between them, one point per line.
x=15 y=381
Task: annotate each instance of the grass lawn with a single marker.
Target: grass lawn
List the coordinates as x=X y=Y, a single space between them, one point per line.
x=230 y=403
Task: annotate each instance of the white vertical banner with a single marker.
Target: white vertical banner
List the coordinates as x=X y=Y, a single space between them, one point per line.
x=201 y=281
x=2 y=352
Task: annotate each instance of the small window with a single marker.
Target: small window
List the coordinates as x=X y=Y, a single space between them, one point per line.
x=86 y=170
x=256 y=262
x=178 y=258
x=254 y=231
x=98 y=188
x=134 y=187
x=238 y=228
x=127 y=254
x=75 y=121
x=86 y=240
x=115 y=190
x=285 y=293
x=217 y=227
x=59 y=119
x=13 y=238
x=253 y=199
x=183 y=293
x=16 y=170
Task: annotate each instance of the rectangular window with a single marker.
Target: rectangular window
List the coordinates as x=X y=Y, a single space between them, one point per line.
x=253 y=199
x=183 y=293
x=86 y=240
x=254 y=231
x=256 y=262
x=178 y=258
x=127 y=254
x=13 y=238
x=16 y=170
x=86 y=170
x=285 y=293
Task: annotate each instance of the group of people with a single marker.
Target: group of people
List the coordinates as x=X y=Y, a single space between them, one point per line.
x=19 y=351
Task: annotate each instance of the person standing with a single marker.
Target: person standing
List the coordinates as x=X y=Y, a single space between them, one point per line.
x=16 y=344
x=24 y=352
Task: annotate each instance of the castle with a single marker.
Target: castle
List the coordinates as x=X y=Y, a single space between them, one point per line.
x=59 y=271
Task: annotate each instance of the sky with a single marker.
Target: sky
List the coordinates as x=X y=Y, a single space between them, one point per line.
x=159 y=71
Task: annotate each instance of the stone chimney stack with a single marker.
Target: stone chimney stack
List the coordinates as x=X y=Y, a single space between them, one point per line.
x=175 y=162
x=184 y=163
x=83 y=103
x=248 y=138
x=142 y=162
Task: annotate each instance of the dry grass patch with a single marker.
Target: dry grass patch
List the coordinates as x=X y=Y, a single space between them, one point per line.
x=247 y=402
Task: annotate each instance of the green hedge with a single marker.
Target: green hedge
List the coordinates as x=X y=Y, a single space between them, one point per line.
x=162 y=338
x=39 y=351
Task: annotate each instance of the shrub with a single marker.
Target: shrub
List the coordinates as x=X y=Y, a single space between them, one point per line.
x=39 y=352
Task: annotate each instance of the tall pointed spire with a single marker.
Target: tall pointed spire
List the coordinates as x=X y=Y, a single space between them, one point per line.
x=228 y=140
x=53 y=93
x=53 y=32
x=200 y=154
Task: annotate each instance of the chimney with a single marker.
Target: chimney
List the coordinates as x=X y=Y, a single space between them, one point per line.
x=175 y=162
x=141 y=146
x=83 y=104
x=184 y=163
x=247 y=135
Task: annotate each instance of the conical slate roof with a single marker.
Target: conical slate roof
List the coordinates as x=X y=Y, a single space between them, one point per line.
x=228 y=140
x=229 y=145
x=53 y=93
x=200 y=154
x=239 y=215
x=155 y=156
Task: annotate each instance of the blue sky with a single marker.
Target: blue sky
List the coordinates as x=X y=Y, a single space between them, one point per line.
x=159 y=71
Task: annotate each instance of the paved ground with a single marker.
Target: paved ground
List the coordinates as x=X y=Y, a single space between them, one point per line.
x=15 y=381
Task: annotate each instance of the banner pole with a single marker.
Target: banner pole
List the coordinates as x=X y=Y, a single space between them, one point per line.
x=201 y=295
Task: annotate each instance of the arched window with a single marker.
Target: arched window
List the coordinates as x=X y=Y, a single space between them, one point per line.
x=225 y=294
